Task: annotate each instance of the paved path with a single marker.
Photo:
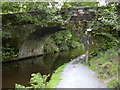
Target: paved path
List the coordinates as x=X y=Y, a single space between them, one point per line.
x=76 y=75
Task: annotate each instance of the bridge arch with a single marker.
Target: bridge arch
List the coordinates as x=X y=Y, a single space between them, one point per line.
x=34 y=43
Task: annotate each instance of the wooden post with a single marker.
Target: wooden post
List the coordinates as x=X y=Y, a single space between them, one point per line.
x=87 y=49
x=87 y=56
x=87 y=52
x=118 y=66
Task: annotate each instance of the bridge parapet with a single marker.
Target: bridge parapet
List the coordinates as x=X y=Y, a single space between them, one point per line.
x=80 y=13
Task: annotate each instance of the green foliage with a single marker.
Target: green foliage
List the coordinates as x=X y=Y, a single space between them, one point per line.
x=6 y=35
x=48 y=12
x=106 y=64
x=37 y=81
x=50 y=46
x=80 y=4
x=46 y=16
x=8 y=53
x=10 y=46
x=113 y=83
x=19 y=86
x=15 y=7
x=73 y=44
x=10 y=7
x=60 y=41
x=107 y=26
x=55 y=79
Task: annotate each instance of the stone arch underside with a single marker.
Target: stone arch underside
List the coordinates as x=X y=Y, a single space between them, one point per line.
x=34 y=43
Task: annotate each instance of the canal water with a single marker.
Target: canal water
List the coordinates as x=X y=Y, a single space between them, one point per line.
x=20 y=72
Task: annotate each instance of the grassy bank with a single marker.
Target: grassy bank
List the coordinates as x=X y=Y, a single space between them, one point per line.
x=39 y=81
x=55 y=79
x=106 y=65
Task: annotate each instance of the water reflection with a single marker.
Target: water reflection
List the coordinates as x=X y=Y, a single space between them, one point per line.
x=19 y=72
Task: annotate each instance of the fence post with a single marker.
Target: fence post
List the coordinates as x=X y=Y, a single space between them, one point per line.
x=118 y=76
x=87 y=56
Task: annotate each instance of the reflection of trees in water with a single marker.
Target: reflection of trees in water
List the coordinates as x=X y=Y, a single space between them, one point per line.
x=45 y=65
x=49 y=61
x=33 y=66
x=66 y=56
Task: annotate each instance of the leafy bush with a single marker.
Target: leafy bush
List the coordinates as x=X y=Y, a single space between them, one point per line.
x=107 y=26
x=113 y=84
x=37 y=81
x=8 y=53
x=50 y=46
x=9 y=46
x=60 y=41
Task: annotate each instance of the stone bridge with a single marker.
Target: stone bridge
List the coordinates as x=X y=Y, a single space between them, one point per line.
x=80 y=13
x=33 y=41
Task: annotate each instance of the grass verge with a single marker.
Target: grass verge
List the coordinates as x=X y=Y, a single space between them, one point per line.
x=106 y=65
x=55 y=79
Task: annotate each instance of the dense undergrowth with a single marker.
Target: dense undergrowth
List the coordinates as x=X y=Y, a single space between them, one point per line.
x=106 y=29
x=61 y=41
x=106 y=65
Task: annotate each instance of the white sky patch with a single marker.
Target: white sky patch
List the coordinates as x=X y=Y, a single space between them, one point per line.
x=60 y=3
x=50 y=5
x=89 y=29
x=102 y=2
